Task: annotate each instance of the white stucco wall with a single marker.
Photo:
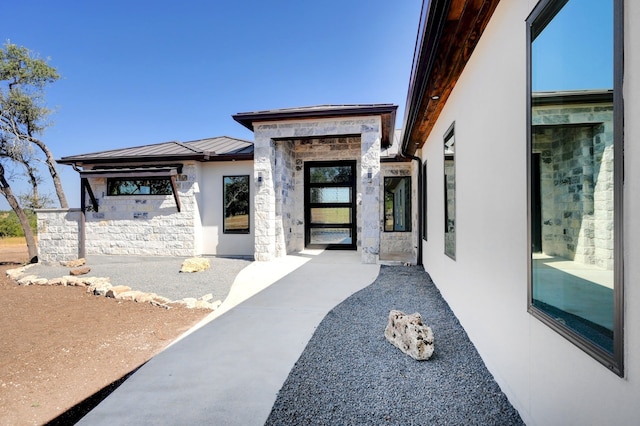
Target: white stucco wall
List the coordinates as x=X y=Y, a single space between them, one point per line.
x=211 y=238
x=548 y=379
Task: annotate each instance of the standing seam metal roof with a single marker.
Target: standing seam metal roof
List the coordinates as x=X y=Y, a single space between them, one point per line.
x=202 y=149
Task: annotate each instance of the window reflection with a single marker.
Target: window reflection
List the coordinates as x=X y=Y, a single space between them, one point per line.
x=450 y=194
x=572 y=168
x=236 y=204
x=397 y=203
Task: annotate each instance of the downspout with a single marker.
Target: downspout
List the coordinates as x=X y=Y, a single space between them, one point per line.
x=420 y=203
x=83 y=208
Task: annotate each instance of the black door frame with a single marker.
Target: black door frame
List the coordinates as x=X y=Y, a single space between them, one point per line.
x=308 y=205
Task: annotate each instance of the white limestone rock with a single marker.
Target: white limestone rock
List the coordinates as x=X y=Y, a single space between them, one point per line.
x=410 y=335
x=27 y=280
x=74 y=263
x=195 y=264
x=114 y=291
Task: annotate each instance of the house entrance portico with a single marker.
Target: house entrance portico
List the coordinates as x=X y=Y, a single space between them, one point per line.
x=286 y=140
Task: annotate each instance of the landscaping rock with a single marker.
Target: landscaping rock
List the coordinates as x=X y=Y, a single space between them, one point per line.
x=99 y=288
x=145 y=297
x=195 y=264
x=73 y=263
x=16 y=273
x=80 y=271
x=114 y=291
x=27 y=280
x=58 y=281
x=74 y=281
x=410 y=335
x=129 y=295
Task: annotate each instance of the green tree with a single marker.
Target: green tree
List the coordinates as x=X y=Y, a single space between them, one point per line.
x=23 y=118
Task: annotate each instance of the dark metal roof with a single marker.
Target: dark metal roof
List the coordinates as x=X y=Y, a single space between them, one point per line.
x=386 y=111
x=222 y=148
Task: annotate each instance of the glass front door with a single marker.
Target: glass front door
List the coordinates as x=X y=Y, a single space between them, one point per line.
x=330 y=208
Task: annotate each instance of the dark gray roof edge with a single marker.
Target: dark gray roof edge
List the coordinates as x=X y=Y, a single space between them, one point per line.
x=430 y=27
x=195 y=155
x=318 y=111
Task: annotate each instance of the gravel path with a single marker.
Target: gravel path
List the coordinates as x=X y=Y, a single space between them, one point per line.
x=350 y=375
x=160 y=275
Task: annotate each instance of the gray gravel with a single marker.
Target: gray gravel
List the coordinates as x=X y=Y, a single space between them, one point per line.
x=350 y=375
x=160 y=275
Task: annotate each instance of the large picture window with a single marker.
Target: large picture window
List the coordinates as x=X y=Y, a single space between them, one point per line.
x=575 y=179
x=450 y=193
x=147 y=186
x=397 y=204
x=236 y=204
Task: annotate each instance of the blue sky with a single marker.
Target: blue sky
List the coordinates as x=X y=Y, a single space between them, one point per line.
x=575 y=50
x=137 y=72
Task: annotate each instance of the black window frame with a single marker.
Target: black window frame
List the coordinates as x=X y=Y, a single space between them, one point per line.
x=424 y=201
x=449 y=134
x=408 y=211
x=541 y=15
x=114 y=180
x=246 y=230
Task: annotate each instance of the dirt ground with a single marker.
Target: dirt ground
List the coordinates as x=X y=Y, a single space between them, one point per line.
x=62 y=350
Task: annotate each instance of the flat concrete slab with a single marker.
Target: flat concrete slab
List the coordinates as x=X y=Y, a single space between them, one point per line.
x=229 y=371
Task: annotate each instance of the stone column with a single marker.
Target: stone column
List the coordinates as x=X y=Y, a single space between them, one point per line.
x=370 y=165
x=264 y=199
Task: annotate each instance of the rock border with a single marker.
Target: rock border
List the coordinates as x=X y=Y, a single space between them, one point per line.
x=101 y=286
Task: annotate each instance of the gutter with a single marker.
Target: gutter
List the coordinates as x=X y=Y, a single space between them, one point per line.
x=420 y=204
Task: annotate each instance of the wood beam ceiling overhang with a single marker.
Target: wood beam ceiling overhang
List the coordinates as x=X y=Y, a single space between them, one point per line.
x=449 y=32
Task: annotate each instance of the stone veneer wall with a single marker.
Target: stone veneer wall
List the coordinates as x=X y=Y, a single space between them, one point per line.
x=394 y=243
x=147 y=225
x=576 y=172
x=274 y=164
x=144 y=225
x=58 y=234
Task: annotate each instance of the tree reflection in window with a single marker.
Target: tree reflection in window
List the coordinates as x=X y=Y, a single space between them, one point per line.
x=236 y=204
x=149 y=186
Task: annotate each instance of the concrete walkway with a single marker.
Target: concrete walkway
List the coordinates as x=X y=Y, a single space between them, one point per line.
x=229 y=371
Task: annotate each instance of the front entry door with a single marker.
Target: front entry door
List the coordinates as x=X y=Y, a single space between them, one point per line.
x=330 y=204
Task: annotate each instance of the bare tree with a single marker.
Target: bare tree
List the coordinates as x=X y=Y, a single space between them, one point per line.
x=23 y=115
x=5 y=189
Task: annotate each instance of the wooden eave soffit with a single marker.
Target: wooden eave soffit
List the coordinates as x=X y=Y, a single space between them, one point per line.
x=464 y=24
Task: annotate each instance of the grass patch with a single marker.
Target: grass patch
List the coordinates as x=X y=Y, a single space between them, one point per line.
x=12 y=241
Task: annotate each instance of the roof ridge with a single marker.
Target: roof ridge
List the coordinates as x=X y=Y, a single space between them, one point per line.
x=184 y=145
x=219 y=137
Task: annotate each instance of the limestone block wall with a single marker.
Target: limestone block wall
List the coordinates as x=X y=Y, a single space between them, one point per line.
x=278 y=220
x=576 y=178
x=58 y=234
x=144 y=225
x=394 y=243
x=288 y=217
